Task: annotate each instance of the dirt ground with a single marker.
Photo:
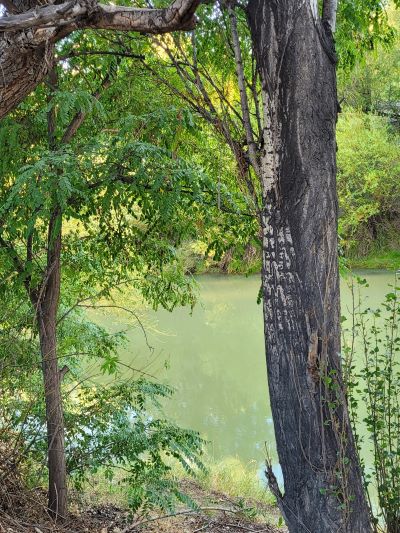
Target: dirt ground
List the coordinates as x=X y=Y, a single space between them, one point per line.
x=219 y=514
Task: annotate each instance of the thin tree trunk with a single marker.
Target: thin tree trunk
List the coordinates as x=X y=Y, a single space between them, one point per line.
x=323 y=490
x=46 y=305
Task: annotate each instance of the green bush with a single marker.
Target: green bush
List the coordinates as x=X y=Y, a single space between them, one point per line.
x=368 y=178
x=116 y=429
x=372 y=375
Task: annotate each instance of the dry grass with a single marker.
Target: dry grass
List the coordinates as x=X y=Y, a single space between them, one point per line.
x=229 y=496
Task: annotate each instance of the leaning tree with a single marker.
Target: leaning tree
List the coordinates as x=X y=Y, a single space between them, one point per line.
x=31 y=28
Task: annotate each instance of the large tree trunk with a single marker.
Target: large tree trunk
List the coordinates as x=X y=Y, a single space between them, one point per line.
x=46 y=306
x=323 y=491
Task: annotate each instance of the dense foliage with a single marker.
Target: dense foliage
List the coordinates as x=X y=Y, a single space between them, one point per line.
x=124 y=202
x=368 y=177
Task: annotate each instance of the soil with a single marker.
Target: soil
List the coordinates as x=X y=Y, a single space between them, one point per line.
x=25 y=512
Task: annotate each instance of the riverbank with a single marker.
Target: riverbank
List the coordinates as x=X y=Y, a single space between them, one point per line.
x=389 y=260
x=217 y=512
x=248 y=262
x=99 y=511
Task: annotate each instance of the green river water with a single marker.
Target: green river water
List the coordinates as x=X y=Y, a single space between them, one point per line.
x=215 y=360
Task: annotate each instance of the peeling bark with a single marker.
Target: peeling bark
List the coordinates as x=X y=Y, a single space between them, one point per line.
x=323 y=490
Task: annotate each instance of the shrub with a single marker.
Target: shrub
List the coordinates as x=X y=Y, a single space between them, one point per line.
x=373 y=384
x=368 y=177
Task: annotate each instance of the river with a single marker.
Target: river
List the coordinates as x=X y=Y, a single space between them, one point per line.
x=214 y=358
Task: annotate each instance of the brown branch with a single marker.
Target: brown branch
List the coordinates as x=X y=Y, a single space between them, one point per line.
x=27 y=56
x=80 y=116
x=113 y=53
x=178 y=16
x=64 y=370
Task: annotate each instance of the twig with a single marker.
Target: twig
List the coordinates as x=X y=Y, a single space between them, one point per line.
x=179 y=513
x=202 y=528
x=245 y=528
x=99 y=52
x=112 y=306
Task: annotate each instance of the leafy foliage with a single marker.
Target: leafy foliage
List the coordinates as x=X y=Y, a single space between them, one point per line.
x=114 y=431
x=152 y=166
x=126 y=201
x=362 y=26
x=372 y=86
x=115 y=427
x=368 y=175
x=373 y=385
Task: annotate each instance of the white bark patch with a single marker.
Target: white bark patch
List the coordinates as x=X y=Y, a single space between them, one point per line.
x=329 y=13
x=272 y=142
x=314 y=8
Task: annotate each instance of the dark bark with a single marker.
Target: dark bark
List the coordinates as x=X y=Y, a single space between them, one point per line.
x=46 y=302
x=322 y=484
x=24 y=65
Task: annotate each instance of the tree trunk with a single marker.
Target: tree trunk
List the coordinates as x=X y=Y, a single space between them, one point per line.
x=323 y=491
x=25 y=61
x=46 y=305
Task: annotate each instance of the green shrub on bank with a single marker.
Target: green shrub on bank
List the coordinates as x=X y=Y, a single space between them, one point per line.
x=116 y=428
x=368 y=184
x=372 y=377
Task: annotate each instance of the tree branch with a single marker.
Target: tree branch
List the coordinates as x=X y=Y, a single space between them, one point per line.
x=191 y=74
x=81 y=115
x=114 y=53
x=19 y=264
x=329 y=11
x=243 y=94
x=127 y=310
x=178 y=16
